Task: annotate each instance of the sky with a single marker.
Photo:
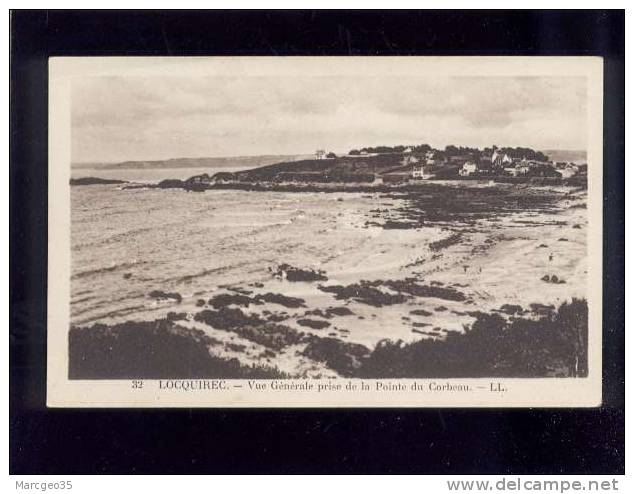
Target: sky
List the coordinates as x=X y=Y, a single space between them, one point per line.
x=117 y=118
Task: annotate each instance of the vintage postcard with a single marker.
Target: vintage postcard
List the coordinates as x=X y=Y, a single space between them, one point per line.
x=325 y=232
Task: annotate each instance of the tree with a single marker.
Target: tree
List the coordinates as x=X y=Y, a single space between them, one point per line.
x=331 y=155
x=423 y=148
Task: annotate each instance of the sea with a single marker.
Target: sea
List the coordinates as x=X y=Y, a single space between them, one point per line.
x=146 y=175
x=129 y=243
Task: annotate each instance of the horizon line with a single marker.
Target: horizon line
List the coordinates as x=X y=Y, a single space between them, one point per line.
x=86 y=162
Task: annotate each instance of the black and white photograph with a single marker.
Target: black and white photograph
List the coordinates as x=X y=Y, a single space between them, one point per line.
x=300 y=220
x=379 y=247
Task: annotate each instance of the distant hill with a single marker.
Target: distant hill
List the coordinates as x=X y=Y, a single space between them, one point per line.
x=574 y=155
x=341 y=169
x=219 y=162
x=95 y=181
x=366 y=164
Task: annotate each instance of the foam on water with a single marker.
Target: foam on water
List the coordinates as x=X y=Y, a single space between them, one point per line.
x=128 y=243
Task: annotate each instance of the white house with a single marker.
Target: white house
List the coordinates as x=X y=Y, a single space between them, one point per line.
x=468 y=168
x=320 y=154
x=409 y=160
x=523 y=169
x=570 y=171
x=422 y=171
x=499 y=159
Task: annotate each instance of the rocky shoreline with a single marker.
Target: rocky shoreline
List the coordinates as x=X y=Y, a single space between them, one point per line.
x=436 y=292
x=554 y=345
x=335 y=187
x=510 y=341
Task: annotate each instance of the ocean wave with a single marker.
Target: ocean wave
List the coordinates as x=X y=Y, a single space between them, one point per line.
x=107 y=269
x=124 y=311
x=117 y=237
x=205 y=272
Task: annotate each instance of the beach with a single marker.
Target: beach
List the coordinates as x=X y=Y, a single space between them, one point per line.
x=398 y=266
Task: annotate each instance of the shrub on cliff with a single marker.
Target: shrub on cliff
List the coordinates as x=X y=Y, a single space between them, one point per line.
x=341 y=356
x=555 y=345
x=151 y=350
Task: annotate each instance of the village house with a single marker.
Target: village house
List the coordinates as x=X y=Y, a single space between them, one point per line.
x=468 y=168
x=569 y=171
x=409 y=159
x=203 y=179
x=532 y=168
x=423 y=171
x=519 y=167
x=320 y=154
x=433 y=157
x=500 y=160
